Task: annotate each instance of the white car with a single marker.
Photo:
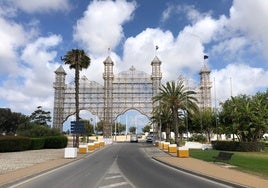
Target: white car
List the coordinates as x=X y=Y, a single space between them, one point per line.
x=133 y=138
x=149 y=138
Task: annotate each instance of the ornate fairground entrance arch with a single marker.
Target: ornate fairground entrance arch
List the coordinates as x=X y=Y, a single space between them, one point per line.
x=131 y=89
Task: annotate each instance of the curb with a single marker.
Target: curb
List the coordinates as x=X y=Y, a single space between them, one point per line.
x=202 y=175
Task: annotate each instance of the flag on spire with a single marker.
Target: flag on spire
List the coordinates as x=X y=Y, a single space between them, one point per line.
x=205 y=57
x=156 y=47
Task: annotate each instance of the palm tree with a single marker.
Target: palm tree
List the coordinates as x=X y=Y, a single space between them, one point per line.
x=161 y=115
x=176 y=97
x=78 y=60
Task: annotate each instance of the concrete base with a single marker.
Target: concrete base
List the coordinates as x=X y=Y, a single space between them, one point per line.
x=172 y=148
x=91 y=146
x=70 y=152
x=82 y=149
x=183 y=152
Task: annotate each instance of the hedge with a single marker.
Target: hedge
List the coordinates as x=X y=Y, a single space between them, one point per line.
x=21 y=143
x=56 y=142
x=238 y=146
x=14 y=143
x=37 y=143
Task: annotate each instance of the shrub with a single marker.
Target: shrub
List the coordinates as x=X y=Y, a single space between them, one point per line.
x=238 y=146
x=14 y=143
x=37 y=143
x=56 y=142
x=36 y=130
x=198 y=138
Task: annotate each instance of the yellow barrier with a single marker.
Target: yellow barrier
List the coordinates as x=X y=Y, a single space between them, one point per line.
x=91 y=146
x=183 y=152
x=165 y=147
x=97 y=145
x=102 y=143
x=82 y=149
x=156 y=143
x=172 y=148
x=161 y=145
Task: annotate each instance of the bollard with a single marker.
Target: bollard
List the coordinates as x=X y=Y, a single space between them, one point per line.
x=97 y=144
x=91 y=146
x=102 y=143
x=183 y=152
x=165 y=147
x=82 y=149
x=172 y=148
x=161 y=146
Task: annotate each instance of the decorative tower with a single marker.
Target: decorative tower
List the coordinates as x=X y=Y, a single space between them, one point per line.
x=205 y=88
x=108 y=77
x=59 y=86
x=156 y=82
x=156 y=75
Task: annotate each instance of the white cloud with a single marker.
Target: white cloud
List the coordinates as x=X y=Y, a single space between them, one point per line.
x=231 y=48
x=247 y=21
x=32 y=83
x=12 y=37
x=101 y=26
x=33 y=6
x=184 y=52
x=236 y=79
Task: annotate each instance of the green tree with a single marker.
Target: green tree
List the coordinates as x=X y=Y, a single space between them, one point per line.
x=162 y=116
x=176 y=97
x=10 y=121
x=89 y=129
x=99 y=127
x=132 y=130
x=78 y=60
x=40 y=116
x=245 y=116
x=146 y=128
x=204 y=121
x=119 y=128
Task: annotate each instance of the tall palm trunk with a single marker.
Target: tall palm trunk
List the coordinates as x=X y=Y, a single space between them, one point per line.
x=175 y=123
x=76 y=79
x=77 y=92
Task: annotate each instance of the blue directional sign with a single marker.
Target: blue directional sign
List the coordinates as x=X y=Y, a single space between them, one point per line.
x=77 y=127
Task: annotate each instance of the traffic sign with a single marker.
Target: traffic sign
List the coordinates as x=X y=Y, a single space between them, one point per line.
x=77 y=127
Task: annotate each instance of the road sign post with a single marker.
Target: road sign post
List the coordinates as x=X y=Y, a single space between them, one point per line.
x=77 y=128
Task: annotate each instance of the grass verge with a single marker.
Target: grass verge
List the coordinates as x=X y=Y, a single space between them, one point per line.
x=251 y=162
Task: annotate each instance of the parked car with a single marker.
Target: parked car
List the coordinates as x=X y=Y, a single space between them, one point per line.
x=149 y=138
x=133 y=138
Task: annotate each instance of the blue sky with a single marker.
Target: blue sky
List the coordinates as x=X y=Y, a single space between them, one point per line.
x=34 y=34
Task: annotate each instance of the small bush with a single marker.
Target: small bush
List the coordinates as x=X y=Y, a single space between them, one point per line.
x=14 y=143
x=238 y=146
x=198 y=138
x=56 y=142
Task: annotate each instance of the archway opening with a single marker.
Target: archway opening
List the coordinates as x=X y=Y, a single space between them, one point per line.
x=85 y=115
x=134 y=122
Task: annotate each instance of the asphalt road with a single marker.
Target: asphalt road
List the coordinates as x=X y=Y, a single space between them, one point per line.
x=122 y=165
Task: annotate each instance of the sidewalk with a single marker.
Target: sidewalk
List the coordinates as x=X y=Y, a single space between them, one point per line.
x=194 y=166
x=214 y=171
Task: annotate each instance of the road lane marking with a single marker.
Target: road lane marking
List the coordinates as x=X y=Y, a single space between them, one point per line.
x=115 y=185
x=113 y=177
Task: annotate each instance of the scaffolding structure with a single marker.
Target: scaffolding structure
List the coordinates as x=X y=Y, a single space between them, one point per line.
x=205 y=88
x=130 y=89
